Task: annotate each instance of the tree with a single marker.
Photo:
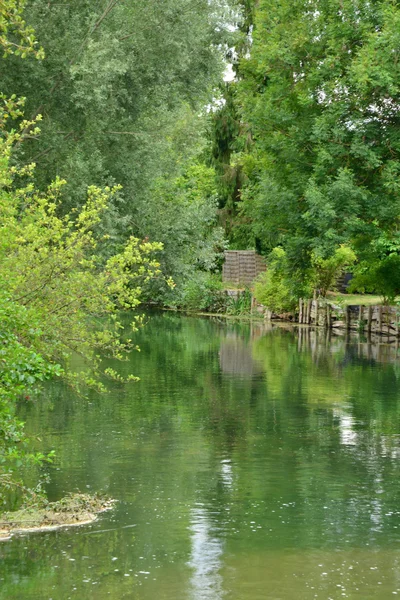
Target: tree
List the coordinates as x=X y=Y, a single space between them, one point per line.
x=193 y=243
x=325 y=272
x=57 y=298
x=122 y=93
x=379 y=271
x=231 y=138
x=273 y=287
x=320 y=91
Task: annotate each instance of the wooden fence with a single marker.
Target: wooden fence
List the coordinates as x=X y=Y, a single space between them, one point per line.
x=382 y=320
x=241 y=267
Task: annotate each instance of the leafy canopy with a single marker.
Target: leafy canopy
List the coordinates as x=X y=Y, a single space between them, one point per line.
x=317 y=93
x=123 y=91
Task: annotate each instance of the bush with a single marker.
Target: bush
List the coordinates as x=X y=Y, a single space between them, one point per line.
x=204 y=292
x=240 y=305
x=326 y=271
x=272 y=288
x=381 y=277
x=378 y=270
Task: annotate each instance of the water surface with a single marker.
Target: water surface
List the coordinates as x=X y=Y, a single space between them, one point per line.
x=248 y=464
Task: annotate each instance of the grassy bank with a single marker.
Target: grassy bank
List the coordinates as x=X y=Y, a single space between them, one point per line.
x=348 y=299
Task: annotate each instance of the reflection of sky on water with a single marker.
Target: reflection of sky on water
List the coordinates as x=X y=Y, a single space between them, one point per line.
x=226 y=473
x=390 y=446
x=205 y=558
x=207 y=548
x=348 y=436
x=370 y=454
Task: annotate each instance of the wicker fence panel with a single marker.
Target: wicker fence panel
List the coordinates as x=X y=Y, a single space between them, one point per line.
x=241 y=267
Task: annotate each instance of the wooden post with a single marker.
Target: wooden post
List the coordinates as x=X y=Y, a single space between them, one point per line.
x=396 y=321
x=380 y=318
x=301 y=310
x=360 y=318
x=369 y=322
x=308 y=317
x=316 y=312
x=328 y=316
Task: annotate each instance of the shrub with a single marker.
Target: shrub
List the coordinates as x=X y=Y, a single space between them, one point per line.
x=240 y=305
x=204 y=292
x=381 y=277
x=326 y=271
x=272 y=288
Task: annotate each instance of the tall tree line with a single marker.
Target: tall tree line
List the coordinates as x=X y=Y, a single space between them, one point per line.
x=119 y=92
x=315 y=116
x=122 y=92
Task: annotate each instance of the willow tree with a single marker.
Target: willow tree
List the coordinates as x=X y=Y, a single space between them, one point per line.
x=123 y=91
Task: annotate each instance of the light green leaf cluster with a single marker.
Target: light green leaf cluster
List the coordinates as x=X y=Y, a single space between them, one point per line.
x=326 y=271
x=49 y=265
x=16 y=37
x=58 y=299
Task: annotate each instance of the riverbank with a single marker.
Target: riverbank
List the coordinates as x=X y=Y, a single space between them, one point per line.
x=74 y=509
x=374 y=322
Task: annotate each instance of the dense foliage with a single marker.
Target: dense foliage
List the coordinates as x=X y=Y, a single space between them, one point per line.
x=58 y=299
x=122 y=92
x=317 y=95
x=272 y=288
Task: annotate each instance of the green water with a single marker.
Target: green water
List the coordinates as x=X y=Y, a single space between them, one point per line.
x=248 y=464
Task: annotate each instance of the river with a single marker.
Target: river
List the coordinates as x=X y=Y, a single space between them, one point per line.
x=249 y=463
